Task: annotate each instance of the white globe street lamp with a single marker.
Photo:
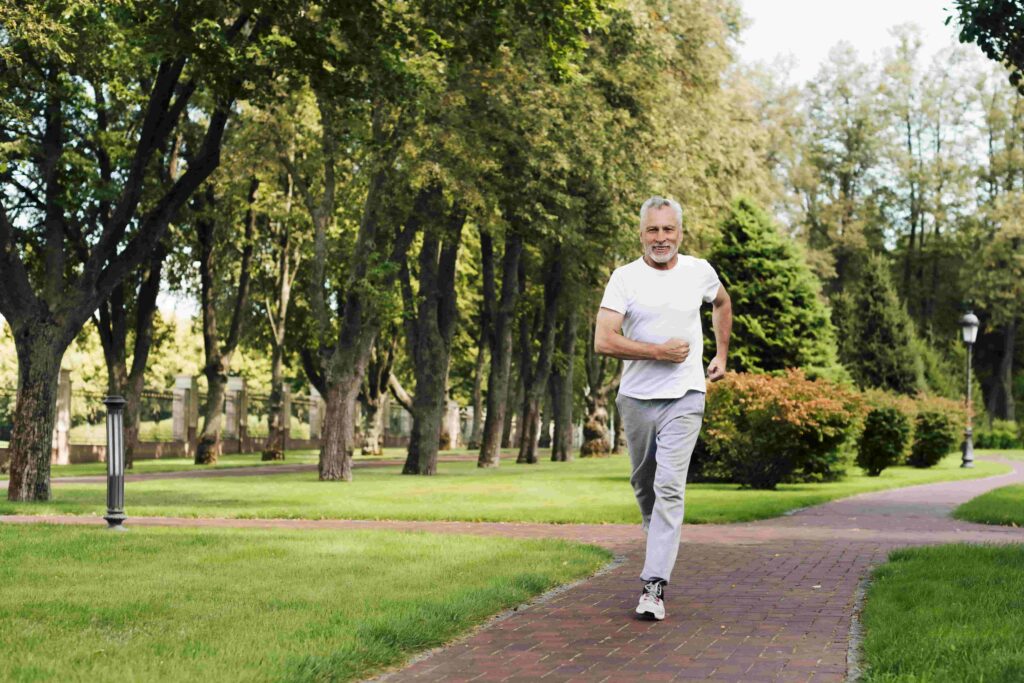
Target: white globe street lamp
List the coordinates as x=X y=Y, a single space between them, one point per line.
x=969 y=329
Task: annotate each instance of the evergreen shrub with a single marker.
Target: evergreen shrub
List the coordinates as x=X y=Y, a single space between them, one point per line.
x=769 y=429
x=934 y=437
x=779 y=317
x=1000 y=434
x=883 y=439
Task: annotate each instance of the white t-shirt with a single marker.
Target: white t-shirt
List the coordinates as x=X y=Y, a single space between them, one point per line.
x=659 y=305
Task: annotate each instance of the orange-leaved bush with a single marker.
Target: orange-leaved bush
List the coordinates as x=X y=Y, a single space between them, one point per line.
x=761 y=430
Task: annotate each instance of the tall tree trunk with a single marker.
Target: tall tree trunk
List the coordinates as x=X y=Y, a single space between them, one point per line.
x=501 y=358
x=373 y=434
x=375 y=392
x=515 y=402
x=339 y=428
x=477 y=430
x=287 y=268
x=277 y=430
x=218 y=354
x=429 y=334
x=39 y=355
x=562 y=391
x=112 y=325
x=544 y=438
x=1001 y=404
x=537 y=382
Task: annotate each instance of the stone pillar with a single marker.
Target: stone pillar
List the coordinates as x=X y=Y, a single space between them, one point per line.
x=185 y=419
x=316 y=414
x=236 y=411
x=61 y=453
x=453 y=420
x=286 y=414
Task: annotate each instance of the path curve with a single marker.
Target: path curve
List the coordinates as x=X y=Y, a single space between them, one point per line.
x=771 y=600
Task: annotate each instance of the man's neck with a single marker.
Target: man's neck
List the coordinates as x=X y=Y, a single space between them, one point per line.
x=668 y=265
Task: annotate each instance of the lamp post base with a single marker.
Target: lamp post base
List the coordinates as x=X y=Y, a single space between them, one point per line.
x=968 y=453
x=115 y=521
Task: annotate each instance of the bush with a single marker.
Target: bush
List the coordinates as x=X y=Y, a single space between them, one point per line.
x=705 y=465
x=767 y=429
x=881 y=443
x=934 y=436
x=1000 y=434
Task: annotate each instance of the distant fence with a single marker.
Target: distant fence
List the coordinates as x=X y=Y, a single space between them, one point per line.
x=169 y=421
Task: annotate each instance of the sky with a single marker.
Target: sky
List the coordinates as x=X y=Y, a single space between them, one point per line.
x=807 y=29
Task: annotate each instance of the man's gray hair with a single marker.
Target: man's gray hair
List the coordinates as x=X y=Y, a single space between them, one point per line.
x=657 y=202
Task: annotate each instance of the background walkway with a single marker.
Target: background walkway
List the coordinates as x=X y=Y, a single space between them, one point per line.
x=765 y=601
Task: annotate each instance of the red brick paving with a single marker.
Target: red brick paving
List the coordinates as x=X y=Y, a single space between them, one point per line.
x=766 y=601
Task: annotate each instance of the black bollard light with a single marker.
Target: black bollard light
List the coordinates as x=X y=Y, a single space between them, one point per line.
x=115 y=462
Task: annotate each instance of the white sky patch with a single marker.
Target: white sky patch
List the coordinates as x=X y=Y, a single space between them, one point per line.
x=807 y=29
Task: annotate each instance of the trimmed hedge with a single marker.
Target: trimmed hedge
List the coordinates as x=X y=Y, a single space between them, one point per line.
x=761 y=430
x=1001 y=434
x=883 y=440
x=934 y=438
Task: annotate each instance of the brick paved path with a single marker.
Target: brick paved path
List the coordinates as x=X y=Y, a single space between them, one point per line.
x=766 y=601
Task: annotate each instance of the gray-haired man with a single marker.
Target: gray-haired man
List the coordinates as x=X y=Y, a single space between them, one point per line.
x=650 y=318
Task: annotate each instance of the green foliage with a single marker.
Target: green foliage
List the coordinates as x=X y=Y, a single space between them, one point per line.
x=769 y=429
x=995 y=26
x=883 y=439
x=1000 y=434
x=779 y=320
x=876 y=334
x=934 y=437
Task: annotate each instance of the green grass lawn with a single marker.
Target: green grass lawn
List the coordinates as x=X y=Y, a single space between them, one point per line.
x=582 y=491
x=1001 y=506
x=85 y=604
x=948 y=613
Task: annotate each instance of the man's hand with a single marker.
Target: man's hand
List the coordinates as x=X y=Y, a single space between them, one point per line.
x=716 y=368
x=674 y=350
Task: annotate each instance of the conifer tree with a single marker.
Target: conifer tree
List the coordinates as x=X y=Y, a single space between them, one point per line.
x=877 y=333
x=779 y=319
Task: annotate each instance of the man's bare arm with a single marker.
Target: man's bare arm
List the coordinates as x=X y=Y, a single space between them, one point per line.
x=721 y=320
x=609 y=341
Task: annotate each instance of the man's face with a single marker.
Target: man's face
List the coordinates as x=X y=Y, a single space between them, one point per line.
x=660 y=234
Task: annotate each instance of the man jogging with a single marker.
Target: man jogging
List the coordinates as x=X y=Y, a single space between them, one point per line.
x=650 y=318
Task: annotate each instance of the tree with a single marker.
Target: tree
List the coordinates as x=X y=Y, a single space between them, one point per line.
x=996 y=276
x=211 y=225
x=838 y=176
x=375 y=74
x=876 y=333
x=92 y=102
x=781 y=321
x=994 y=25
x=429 y=329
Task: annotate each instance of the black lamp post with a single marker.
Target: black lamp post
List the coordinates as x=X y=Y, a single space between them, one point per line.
x=115 y=463
x=969 y=328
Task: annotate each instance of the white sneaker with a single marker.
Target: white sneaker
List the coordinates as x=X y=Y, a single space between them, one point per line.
x=652 y=603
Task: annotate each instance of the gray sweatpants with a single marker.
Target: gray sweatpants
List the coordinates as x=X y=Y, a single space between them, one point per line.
x=661 y=434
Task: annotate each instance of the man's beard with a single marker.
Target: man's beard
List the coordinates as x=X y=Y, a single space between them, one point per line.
x=662 y=258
